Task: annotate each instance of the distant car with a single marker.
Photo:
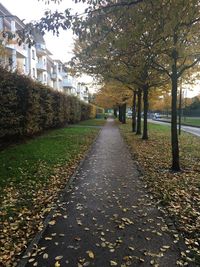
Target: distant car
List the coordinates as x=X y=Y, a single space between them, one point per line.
x=156 y=116
x=129 y=114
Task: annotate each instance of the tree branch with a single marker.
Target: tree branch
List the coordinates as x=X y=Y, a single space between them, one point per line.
x=188 y=67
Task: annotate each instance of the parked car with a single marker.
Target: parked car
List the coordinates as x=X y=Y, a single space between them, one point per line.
x=129 y=114
x=156 y=116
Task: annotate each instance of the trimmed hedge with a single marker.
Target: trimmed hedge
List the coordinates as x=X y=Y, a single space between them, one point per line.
x=28 y=107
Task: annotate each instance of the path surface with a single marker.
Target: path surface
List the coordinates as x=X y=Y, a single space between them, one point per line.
x=107 y=218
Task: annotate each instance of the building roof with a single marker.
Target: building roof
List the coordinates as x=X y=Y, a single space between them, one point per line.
x=8 y=16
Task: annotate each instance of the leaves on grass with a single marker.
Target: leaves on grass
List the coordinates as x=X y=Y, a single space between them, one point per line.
x=32 y=189
x=178 y=192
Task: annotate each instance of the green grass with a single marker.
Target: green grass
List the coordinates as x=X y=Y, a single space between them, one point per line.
x=23 y=162
x=31 y=176
x=191 y=121
x=93 y=122
x=158 y=128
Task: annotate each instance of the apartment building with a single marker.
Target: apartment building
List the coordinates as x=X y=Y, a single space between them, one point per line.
x=83 y=92
x=35 y=61
x=15 y=55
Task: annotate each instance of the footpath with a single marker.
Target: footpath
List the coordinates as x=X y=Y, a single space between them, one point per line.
x=107 y=218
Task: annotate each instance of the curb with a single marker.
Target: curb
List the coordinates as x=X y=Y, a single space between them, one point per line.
x=182 y=124
x=38 y=236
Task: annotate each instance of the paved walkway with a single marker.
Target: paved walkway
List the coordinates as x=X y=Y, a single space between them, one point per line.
x=107 y=218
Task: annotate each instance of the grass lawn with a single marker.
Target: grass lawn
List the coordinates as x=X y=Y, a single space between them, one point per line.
x=178 y=192
x=31 y=175
x=93 y=122
x=191 y=121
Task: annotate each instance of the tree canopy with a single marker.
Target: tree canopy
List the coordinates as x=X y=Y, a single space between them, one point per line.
x=140 y=43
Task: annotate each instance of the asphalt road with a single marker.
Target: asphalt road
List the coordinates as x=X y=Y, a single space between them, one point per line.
x=192 y=130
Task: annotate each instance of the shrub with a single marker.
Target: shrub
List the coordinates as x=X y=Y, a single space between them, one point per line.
x=29 y=107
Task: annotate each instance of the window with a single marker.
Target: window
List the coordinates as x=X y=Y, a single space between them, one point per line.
x=33 y=54
x=1 y=24
x=45 y=77
x=34 y=73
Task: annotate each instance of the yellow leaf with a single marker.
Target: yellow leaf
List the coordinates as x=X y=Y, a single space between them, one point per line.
x=57 y=258
x=57 y=264
x=52 y=222
x=90 y=254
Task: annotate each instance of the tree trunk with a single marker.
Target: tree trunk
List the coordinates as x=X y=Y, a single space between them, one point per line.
x=174 y=134
x=134 y=112
x=124 y=113
x=115 y=112
x=139 y=108
x=146 y=106
x=180 y=110
x=120 y=113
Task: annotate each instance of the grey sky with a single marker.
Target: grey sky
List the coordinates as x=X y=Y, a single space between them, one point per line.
x=61 y=46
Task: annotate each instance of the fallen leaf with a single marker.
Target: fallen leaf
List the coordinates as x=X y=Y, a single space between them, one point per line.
x=52 y=222
x=113 y=263
x=45 y=256
x=57 y=264
x=90 y=254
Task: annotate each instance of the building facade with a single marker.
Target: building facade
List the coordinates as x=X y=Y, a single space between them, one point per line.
x=35 y=61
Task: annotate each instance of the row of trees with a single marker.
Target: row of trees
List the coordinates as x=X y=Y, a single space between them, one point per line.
x=141 y=44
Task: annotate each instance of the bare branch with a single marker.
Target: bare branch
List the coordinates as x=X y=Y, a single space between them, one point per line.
x=188 y=67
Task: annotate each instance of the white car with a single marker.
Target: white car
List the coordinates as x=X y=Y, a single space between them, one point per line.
x=156 y=116
x=129 y=114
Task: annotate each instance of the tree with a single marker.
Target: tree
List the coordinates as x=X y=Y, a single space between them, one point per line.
x=112 y=95
x=173 y=27
x=177 y=23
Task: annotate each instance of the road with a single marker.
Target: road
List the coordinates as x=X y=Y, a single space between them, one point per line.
x=192 y=130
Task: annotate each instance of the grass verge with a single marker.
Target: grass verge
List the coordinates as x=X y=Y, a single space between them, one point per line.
x=178 y=192
x=190 y=121
x=93 y=122
x=31 y=175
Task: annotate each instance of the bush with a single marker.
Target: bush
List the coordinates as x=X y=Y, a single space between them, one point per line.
x=29 y=107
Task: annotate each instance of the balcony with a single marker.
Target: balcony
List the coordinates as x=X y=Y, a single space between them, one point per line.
x=21 y=52
x=85 y=94
x=53 y=76
x=67 y=83
x=41 y=49
x=41 y=66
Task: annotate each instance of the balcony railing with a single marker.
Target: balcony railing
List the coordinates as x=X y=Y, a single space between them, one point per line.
x=41 y=66
x=41 y=49
x=53 y=76
x=67 y=83
x=21 y=52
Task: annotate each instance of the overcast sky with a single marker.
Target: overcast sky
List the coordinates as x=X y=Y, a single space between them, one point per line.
x=61 y=46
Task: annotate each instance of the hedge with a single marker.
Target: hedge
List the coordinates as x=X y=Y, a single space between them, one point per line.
x=28 y=107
